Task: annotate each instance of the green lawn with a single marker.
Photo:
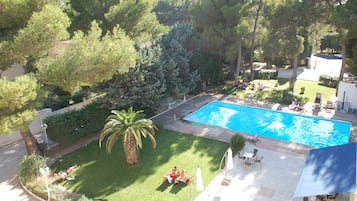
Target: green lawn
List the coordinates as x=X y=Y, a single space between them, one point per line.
x=274 y=90
x=108 y=177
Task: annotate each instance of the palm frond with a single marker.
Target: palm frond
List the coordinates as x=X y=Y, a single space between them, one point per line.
x=130 y=126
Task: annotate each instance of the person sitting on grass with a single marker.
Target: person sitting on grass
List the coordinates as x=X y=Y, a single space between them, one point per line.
x=72 y=168
x=61 y=174
x=172 y=175
x=66 y=175
x=183 y=177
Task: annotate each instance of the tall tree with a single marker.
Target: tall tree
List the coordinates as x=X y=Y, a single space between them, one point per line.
x=83 y=12
x=257 y=7
x=88 y=59
x=19 y=99
x=136 y=18
x=343 y=17
x=171 y=12
x=209 y=68
x=129 y=126
x=143 y=87
x=179 y=77
x=43 y=29
x=221 y=26
x=287 y=22
x=15 y=14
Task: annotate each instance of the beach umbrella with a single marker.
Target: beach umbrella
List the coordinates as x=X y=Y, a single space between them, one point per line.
x=229 y=159
x=199 y=180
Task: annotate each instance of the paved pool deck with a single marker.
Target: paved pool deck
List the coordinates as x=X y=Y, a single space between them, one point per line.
x=276 y=177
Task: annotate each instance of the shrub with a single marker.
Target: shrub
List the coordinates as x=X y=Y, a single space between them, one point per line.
x=266 y=74
x=78 y=97
x=29 y=167
x=237 y=143
x=68 y=127
x=227 y=89
x=60 y=193
x=329 y=81
x=56 y=98
x=56 y=102
x=287 y=96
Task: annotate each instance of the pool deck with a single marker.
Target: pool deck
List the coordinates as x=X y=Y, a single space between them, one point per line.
x=276 y=177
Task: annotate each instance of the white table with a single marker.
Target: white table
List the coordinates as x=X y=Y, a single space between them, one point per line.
x=248 y=155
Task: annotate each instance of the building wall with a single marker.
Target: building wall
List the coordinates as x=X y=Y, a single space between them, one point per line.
x=347 y=94
x=13 y=72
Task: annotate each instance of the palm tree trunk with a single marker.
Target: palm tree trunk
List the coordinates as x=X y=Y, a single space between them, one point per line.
x=30 y=142
x=131 y=152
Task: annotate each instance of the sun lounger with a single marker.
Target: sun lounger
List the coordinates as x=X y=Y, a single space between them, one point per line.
x=254 y=138
x=318 y=101
x=240 y=156
x=248 y=163
x=258 y=159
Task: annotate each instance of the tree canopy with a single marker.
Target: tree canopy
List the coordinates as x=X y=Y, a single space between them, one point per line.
x=43 y=30
x=136 y=18
x=19 y=100
x=88 y=59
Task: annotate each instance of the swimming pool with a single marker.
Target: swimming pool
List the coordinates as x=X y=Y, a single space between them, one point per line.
x=302 y=129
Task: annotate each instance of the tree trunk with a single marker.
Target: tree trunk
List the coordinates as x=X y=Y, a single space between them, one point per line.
x=269 y=64
x=30 y=142
x=131 y=153
x=251 y=52
x=204 y=85
x=343 y=66
x=293 y=77
x=239 y=61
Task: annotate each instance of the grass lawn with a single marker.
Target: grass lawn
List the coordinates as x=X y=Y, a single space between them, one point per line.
x=107 y=177
x=274 y=90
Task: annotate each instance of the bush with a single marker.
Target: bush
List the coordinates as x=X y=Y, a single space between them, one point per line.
x=56 y=98
x=287 y=97
x=70 y=126
x=329 y=81
x=60 y=193
x=237 y=143
x=78 y=97
x=56 y=102
x=29 y=167
x=266 y=74
x=227 y=89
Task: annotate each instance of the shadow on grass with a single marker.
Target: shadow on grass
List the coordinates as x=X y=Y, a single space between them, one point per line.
x=164 y=185
x=105 y=175
x=175 y=188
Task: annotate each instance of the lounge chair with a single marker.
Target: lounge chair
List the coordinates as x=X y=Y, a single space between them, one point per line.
x=329 y=106
x=318 y=101
x=248 y=163
x=254 y=138
x=255 y=151
x=240 y=156
x=258 y=159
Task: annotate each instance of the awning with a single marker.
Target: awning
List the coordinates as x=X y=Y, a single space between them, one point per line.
x=329 y=170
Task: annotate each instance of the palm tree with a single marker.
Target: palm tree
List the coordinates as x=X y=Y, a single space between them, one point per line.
x=130 y=126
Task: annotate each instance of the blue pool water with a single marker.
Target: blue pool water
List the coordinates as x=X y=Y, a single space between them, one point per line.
x=308 y=130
